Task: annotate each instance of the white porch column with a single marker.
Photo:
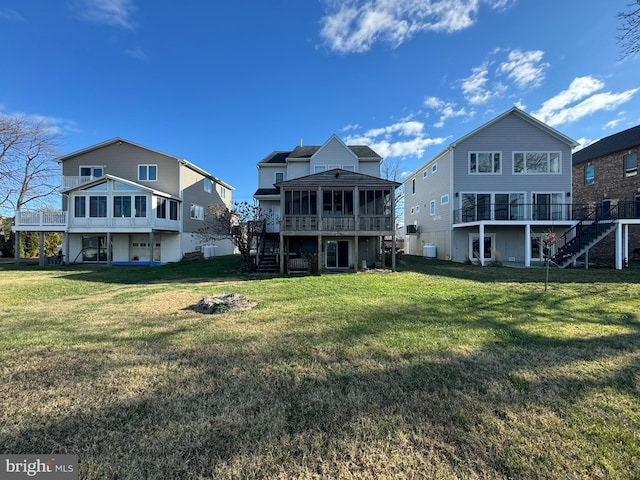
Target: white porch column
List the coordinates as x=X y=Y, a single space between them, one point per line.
x=619 y=246
x=65 y=241
x=109 y=248
x=481 y=244
x=151 y=242
x=527 y=245
x=625 y=243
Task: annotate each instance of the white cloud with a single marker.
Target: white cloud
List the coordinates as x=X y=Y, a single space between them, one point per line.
x=581 y=100
x=445 y=110
x=526 y=69
x=137 y=53
x=115 y=13
x=475 y=88
x=355 y=25
x=401 y=139
x=10 y=14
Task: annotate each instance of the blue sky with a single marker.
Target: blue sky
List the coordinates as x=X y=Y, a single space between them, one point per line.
x=224 y=83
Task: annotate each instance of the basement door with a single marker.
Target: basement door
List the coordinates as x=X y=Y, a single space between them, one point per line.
x=338 y=254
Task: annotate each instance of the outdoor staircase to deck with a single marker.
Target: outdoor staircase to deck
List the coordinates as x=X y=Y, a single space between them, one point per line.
x=586 y=236
x=269 y=259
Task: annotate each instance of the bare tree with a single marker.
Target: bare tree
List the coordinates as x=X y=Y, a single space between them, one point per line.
x=629 y=38
x=243 y=224
x=391 y=171
x=27 y=169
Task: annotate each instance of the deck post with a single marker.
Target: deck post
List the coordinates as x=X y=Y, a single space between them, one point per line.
x=109 y=249
x=527 y=245
x=42 y=260
x=16 y=247
x=481 y=244
x=619 y=246
x=151 y=242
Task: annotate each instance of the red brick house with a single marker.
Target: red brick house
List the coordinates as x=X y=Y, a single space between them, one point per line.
x=606 y=181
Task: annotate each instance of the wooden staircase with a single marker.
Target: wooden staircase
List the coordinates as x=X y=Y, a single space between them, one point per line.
x=270 y=258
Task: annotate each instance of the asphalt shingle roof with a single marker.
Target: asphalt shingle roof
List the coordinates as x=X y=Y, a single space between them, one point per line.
x=614 y=143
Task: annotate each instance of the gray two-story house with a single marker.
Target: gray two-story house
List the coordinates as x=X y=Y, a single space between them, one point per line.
x=493 y=194
x=327 y=204
x=123 y=203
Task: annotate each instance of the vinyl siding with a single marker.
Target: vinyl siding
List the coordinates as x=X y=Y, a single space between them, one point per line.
x=123 y=160
x=511 y=134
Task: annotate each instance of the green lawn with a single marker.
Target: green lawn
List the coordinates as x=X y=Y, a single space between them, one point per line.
x=440 y=370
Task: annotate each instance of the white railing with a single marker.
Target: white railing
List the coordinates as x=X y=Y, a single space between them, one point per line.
x=71 y=182
x=37 y=218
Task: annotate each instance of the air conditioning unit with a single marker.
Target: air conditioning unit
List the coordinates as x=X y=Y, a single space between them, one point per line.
x=413 y=230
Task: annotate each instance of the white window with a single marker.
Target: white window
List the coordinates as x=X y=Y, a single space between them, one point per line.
x=434 y=168
x=207 y=185
x=485 y=162
x=413 y=186
x=197 y=212
x=331 y=167
x=432 y=207
x=223 y=192
x=417 y=209
x=536 y=162
x=279 y=177
x=319 y=168
x=349 y=168
x=148 y=173
x=425 y=174
x=444 y=199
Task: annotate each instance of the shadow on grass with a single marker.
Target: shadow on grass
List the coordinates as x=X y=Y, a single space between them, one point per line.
x=514 y=405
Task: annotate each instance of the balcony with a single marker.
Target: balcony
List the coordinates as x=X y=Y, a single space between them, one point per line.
x=72 y=182
x=519 y=212
x=41 y=220
x=545 y=212
x=341 y=223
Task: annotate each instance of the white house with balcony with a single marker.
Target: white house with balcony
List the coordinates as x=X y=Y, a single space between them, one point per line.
x=493 y=194
x=125 y=203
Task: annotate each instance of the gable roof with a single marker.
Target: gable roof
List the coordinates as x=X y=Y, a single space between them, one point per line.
x=613 y=143
x=512 y=111
x=120 y=140
x=305 y=152
x=524 y=116
x=339 y=178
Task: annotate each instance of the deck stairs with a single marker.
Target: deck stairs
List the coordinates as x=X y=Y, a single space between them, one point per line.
x=269 y=257
x=582 y=237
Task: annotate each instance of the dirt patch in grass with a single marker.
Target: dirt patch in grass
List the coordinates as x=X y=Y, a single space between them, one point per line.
x=231 y=302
